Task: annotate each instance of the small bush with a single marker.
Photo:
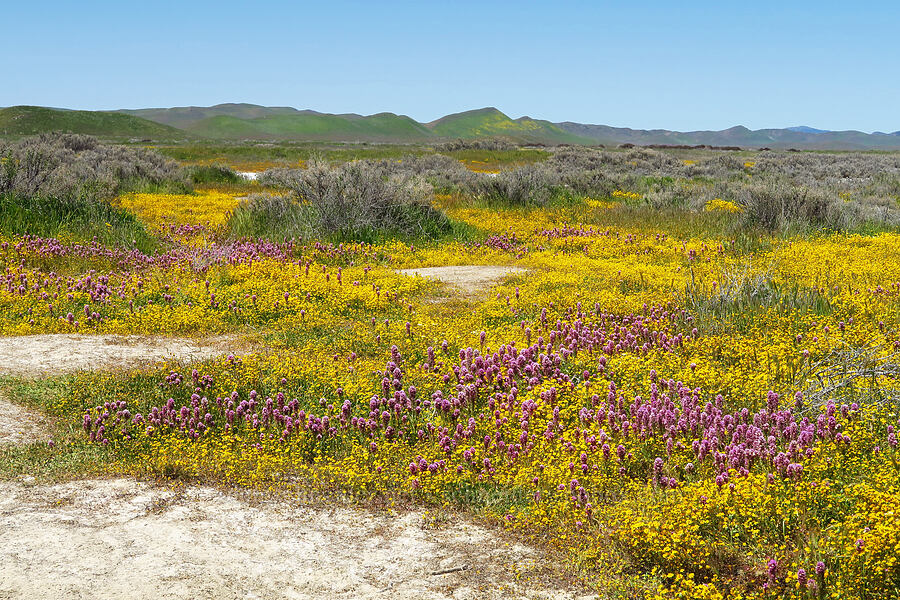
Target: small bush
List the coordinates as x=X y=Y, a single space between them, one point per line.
x=491 y=144
x=776 y=207
x=542 y=183
x=67 y=166
x=210 y=174
x=360 y=200
x=528 y=185
x=56 y=184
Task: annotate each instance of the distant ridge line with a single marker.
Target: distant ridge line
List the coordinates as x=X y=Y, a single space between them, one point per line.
x=239 y=121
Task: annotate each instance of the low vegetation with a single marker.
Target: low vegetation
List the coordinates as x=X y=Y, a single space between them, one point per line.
x=61 y=186
x=691 y=391
x=355 y=201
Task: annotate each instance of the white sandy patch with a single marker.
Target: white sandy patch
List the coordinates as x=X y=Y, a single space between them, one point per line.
x=52 y=354
x=18 y=425
x=125 y=539
x=466 y=278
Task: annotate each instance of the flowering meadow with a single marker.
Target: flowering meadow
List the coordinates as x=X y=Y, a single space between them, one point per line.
x=683 y=414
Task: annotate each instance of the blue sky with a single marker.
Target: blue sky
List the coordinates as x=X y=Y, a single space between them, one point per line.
x=673 y=65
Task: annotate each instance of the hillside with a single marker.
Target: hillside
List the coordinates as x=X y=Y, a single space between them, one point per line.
x=254 y=122
x=184 y=117
x=309 y=125
x=30 y=120
x=801 y=138
x=488 y=122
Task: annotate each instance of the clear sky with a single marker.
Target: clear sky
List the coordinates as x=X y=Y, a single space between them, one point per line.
x=650 y=64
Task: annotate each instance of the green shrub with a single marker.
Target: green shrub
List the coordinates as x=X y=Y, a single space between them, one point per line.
x=360 y=200
x=61 y=184
x=209 y=174
x=76 y=218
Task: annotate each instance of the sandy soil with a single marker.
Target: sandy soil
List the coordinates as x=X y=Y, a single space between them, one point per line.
x=126 y=539
x=51 y=354
x=45 y=355
x=18 y=425
x=467 y=279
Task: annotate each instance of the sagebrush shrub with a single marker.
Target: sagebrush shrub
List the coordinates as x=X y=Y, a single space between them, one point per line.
x=359 y=200
x=69 y=166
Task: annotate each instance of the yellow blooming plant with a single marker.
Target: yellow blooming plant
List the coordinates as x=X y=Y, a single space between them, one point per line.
x=686 y=417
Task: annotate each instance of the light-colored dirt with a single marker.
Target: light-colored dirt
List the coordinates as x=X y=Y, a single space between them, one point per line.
x=126 y=539
x=467 y=279
x=18 y=425
x=52 y=354
x=46 y=355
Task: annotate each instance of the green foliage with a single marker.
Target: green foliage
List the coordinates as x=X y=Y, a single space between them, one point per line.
x=380 y=127
x=73 y=218
x=30 y=120
x=492 y=122
x=360 y=201
x=209 y=174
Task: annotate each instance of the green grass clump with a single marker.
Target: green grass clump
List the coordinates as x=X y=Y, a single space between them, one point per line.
x=73 y=219
x=210 y=174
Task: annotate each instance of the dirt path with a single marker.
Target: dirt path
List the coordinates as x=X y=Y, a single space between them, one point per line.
x=52 y=354
x=18 y=425
x=125 y=539
x=467 y=279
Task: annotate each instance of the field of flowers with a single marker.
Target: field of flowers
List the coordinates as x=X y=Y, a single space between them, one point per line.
x=685 y=416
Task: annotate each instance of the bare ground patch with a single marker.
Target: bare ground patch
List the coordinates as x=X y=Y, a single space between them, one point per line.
x=19 y=425
x=52 y=354
x=466 y=279
x=125 y=539
x=36 y=356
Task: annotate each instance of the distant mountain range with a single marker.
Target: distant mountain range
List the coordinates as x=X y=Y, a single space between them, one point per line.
x=250 y=121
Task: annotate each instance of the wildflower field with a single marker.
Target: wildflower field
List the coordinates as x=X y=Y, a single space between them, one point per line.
x=683 y=407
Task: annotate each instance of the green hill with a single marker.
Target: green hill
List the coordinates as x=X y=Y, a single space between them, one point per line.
x=252 y=121
x=486 y=122
x=30 y=120
x=237 y=121
x=315 y=126
x=184 y=117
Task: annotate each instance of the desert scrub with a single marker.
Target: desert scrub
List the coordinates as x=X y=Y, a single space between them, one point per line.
x=60 y=186
x=685 y=412
x=69 y=166
x=489 y=144
x=359 y=200
x=212 y=174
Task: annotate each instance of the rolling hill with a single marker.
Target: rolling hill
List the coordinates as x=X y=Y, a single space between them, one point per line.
x=254 y=122
x=383 y=127
x=490 y=122
x=29 y=120
x=184 y=117
x=795 y=137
